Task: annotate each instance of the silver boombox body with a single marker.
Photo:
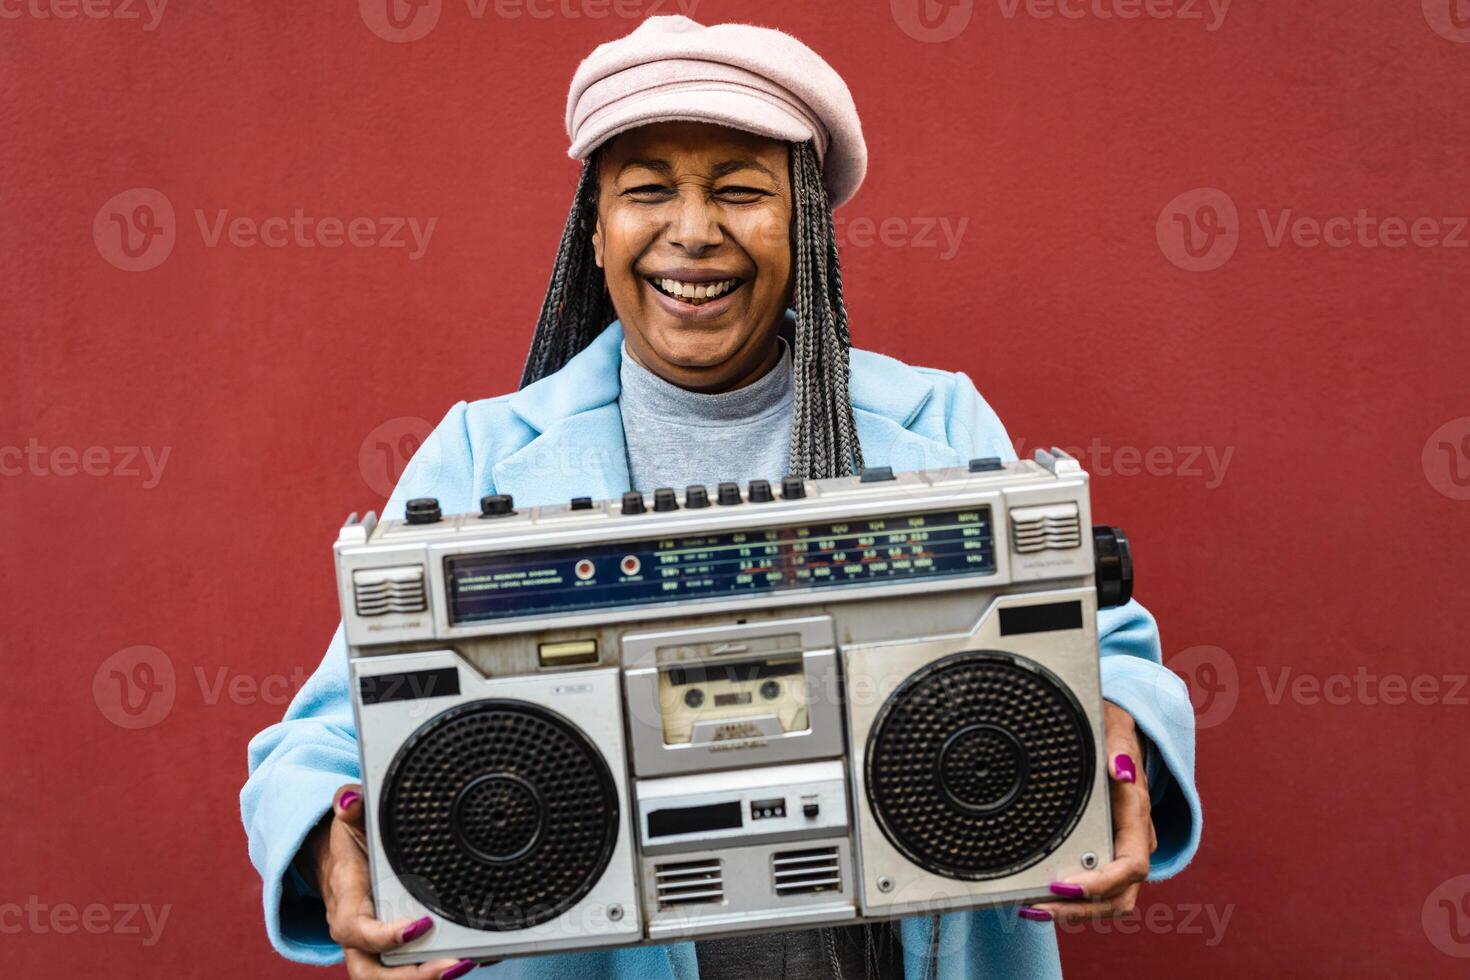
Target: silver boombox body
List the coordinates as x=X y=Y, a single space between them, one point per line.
x=603 y=724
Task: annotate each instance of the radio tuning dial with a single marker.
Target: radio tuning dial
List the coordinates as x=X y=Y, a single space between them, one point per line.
x=760 y=492
x=422 y=510
x=633 y=502
x=729 y=494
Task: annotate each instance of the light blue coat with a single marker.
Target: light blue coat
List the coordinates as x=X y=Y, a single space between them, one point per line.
x=563 y=437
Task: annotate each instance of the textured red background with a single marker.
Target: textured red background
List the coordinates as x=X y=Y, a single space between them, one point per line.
x=1333 y=542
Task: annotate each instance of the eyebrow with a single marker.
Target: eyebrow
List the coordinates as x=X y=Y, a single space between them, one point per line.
x=722 y=169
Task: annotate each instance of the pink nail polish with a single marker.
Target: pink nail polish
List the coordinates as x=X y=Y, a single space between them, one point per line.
x=1123 y=765
x=1035 y=915
x=348 y=798
x=417 y=928
x=1067 y=890
x=457 y=970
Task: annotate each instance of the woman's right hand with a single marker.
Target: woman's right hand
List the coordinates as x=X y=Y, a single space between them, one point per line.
x=337 y=850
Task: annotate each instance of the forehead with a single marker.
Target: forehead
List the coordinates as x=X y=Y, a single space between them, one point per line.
x=694 y=146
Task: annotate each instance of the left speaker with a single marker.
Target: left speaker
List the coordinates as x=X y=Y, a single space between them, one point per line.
x=492 y=810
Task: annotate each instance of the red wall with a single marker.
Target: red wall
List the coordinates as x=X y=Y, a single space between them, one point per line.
x=1327 y=550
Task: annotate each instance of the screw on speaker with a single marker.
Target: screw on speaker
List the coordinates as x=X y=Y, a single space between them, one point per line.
x=499 y=815
x=979 y=765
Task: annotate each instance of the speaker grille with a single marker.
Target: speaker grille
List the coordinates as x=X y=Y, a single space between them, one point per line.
x=979 y=765
x=499 y=815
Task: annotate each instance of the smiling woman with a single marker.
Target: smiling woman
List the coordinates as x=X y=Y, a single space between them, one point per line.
x=694 y=331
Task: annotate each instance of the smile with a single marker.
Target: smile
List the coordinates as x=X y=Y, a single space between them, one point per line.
x=695 y=293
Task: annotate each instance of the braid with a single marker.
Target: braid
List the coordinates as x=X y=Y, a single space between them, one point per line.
x=824 y=438
x=577 y=308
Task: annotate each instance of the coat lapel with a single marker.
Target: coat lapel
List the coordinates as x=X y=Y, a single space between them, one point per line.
x=578 y=449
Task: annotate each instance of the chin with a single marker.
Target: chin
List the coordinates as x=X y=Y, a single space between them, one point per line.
x=690 y=346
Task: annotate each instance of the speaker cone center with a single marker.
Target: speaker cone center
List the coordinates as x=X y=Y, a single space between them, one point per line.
x=498 y=817
x=982 y=768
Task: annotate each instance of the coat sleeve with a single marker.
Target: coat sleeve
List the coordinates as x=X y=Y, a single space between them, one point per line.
x=1133 y=673
x=297 y=764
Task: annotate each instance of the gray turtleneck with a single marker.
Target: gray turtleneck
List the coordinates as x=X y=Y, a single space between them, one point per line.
x=677 y=437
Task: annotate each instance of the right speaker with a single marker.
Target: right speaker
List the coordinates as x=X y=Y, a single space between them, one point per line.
x=979 y=777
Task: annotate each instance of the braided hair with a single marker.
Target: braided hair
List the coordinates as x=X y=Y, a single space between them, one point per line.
x=577 y=308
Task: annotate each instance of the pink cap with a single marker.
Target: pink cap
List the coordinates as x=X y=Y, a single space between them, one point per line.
x=750 y=78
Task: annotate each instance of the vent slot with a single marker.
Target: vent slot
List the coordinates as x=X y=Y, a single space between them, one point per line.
x=806 y=872
x=689 y=883
x=1053 y=527
x=379 y=591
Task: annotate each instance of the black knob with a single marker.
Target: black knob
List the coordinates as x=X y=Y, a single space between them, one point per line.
x=664 y=499
x=729 y=493
x=581 y=503
x=497 y=505
x=422 y=510
x=771 y=690
x=985 y=464
x=1114 y=571
x=633 y=502
x=876 y=474
x=793 y=488
x=760 y=492
x=694 y=697
x=696 y=496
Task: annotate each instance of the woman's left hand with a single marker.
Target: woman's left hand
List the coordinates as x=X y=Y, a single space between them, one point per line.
x=1112 y=890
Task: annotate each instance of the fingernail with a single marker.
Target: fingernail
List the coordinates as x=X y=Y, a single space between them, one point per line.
x=1035 y=915
x=416 y=928
x=1123 y=764
x=457 y=970
x=1067 y=890
x=348 y=798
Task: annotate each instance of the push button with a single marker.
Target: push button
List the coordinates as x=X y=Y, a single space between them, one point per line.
x=633 y=502
x=986 y=464
x=581 y=503
x=793 y=488
x=877 y=474
x=760 y=492
x=729 y=494
x=497 y=505
x=664 y=499
x=696 y=496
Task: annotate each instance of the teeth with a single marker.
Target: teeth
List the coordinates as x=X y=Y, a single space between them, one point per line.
x=696 y=293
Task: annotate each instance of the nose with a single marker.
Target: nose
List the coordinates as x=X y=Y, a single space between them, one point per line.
x=695 y=227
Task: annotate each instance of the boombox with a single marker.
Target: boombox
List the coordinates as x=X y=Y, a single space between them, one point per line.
x=731 y=710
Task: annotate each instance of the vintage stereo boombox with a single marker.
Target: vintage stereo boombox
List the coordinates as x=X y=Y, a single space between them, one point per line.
x=743 y=709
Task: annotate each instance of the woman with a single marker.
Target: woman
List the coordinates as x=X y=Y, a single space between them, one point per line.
x=694 y=331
